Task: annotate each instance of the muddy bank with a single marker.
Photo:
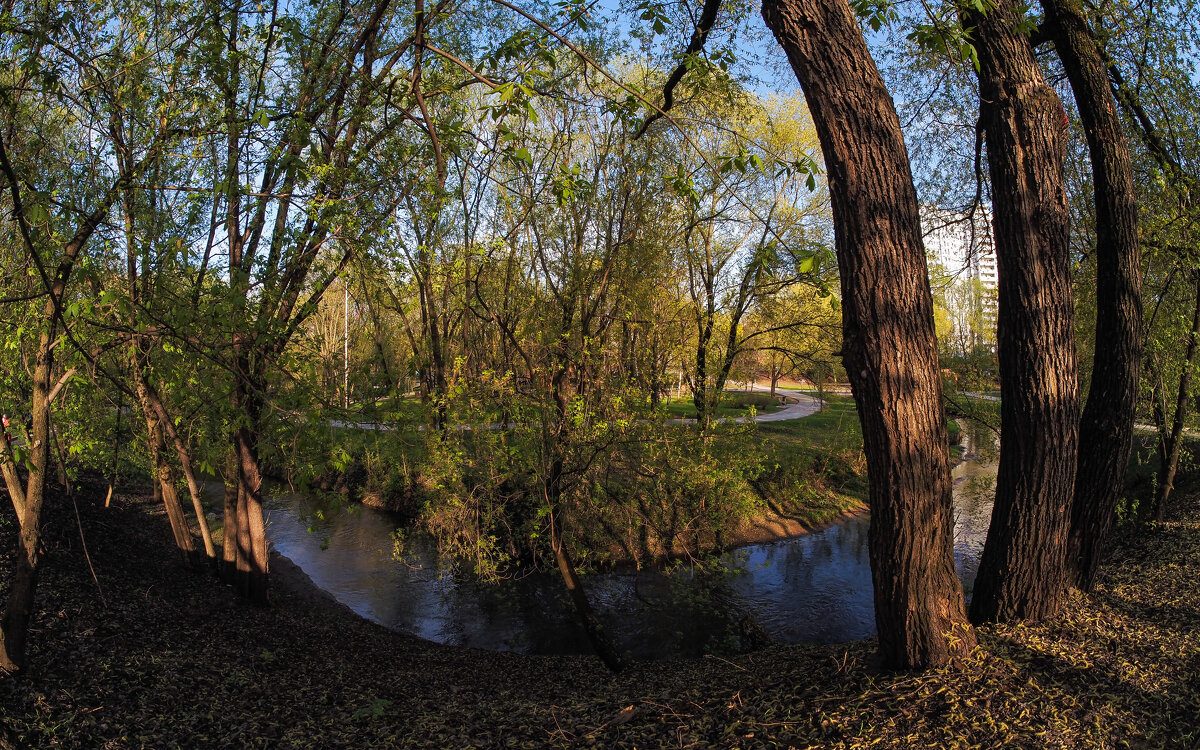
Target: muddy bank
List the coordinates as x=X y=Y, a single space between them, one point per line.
x=777 y=525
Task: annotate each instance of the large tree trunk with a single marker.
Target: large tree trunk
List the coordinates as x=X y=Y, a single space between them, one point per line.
x=889 y=350
x=1022 y=569
x=1106 y=428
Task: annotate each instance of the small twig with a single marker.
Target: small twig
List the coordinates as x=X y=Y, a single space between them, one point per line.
x=87 y=556
x=719 y=658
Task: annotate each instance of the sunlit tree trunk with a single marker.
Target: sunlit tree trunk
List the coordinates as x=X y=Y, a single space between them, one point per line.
x=1023 y=565
x=228 y=567
x=164 y=475
x=252 y=562
x=889 y=350
x=185 y=462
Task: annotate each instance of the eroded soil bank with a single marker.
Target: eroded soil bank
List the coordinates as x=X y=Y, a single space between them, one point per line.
x=159 y=655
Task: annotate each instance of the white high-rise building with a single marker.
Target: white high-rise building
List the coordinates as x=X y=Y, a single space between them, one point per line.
x=961 y=245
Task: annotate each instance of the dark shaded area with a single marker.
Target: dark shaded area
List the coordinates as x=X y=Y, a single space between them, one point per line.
x=168 y=657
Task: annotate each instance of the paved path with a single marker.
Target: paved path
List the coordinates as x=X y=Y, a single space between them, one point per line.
x=805 y=405
x=980 y=396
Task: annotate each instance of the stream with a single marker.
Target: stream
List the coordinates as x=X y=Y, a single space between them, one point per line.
x=811 y=588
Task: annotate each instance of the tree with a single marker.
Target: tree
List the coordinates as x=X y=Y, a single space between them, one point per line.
x=1147 y=53
x=53 y=239
x=796 y=332
x=889 y=347
x=1106 y=426
x=299 y=131
x=1022 y=568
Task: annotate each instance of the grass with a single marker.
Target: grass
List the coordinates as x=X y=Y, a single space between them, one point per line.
x=166 y=657
x=816 y=468
x=834 y=426
x=733 y=404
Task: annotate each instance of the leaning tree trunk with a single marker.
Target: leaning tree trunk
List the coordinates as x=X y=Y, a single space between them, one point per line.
x=1022 y=568
x=592 y=627
x=12 y=477
x=164 y=474
x=1106 y=428
x=889 y=350
x=189 y=473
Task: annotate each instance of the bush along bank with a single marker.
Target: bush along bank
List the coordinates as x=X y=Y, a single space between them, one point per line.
x=651 y=492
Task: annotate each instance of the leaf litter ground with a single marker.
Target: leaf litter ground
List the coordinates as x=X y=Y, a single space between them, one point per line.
x=165 y=657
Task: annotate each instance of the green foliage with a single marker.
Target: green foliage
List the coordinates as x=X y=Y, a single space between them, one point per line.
x=875 y=13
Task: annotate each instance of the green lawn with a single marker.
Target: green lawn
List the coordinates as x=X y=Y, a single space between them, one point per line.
x=733 y=404
x=835 y=425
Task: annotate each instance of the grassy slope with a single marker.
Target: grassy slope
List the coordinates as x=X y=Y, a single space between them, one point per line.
x=815 y=466
x=168 y=658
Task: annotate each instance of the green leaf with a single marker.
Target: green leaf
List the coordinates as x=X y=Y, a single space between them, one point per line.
x=36 y=213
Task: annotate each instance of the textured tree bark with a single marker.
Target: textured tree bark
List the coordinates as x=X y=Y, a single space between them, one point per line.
x=1022 y=569
x=163 y=473
x=1106 y=427
x=244 y=551
x=890 y=351
x=252 y=551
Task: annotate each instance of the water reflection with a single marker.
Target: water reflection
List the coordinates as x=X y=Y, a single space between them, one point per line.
x=974 y=490
x=815 y=588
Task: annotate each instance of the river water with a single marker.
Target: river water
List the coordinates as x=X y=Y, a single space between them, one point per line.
x=813 y=588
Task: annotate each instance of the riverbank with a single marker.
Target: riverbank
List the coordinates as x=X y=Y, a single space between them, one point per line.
x=657 y=497
x=776 y=524
x=159 y=655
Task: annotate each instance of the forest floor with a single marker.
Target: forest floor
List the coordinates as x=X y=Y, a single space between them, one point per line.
x=159 y=655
